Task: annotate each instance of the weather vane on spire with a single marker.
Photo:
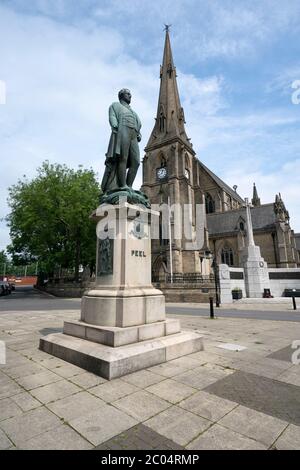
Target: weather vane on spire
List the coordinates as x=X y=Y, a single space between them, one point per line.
x=167 y=27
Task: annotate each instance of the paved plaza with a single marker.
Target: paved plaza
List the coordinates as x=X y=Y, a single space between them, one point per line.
x=219 y=398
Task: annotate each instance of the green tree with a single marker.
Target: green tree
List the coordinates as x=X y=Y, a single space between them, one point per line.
x=3 y=262
x=50 y=218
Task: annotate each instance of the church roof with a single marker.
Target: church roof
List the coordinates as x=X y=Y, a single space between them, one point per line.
x=222 y=184
x=228 y=221
x=169 y=122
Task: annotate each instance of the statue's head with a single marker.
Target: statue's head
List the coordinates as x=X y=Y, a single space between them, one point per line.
x=125 y=95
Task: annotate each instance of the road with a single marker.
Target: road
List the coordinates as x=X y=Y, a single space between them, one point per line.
x=281 y=315
x=28 y=299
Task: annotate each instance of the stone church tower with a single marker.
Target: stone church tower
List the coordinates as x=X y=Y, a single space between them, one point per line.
x=171 y=173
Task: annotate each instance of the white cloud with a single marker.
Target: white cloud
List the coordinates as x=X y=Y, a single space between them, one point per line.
x=60 y=82
x=283 y=81
x=202 y=29
x=261 y=147
x=203 y=97
x=270 y=184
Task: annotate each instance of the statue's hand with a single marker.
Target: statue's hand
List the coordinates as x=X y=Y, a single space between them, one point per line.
x=139 y=137
x=114 y=130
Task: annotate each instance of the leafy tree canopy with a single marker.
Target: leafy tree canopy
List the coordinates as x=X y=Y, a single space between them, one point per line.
x=49 y=218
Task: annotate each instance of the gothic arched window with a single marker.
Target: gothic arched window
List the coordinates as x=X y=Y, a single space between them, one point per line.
x=209 y=204
x=227 y=256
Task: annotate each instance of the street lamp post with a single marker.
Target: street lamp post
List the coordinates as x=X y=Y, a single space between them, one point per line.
x=215 y=267
x=216 y=276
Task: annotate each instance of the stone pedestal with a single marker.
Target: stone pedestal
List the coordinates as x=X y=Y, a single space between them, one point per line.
x=123 y=326
x=256 y=272
x=255 y=267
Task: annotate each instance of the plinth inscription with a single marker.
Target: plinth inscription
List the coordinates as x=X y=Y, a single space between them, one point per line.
x=138 y=253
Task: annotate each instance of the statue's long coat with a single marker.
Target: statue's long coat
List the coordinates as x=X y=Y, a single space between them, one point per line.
x=115 y=143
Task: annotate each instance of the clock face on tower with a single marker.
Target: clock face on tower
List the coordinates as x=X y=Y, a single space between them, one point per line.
x=161 y=173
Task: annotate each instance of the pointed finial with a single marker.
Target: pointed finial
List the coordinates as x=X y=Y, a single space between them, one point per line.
x=167 y=27
x=255 y=198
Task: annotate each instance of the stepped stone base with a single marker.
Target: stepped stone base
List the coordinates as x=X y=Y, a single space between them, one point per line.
x=123 y=326
x=114 y=336
x=112 y=362
x=115 y=307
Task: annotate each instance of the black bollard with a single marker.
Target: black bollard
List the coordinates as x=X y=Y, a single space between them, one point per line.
x=211 y=304
x=294 y=303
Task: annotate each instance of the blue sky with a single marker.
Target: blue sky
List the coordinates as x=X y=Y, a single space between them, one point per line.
x=63 y=61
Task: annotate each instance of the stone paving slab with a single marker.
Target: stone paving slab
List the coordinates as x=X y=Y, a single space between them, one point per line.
x=30 y=382
x=208 y=406
x=29 y=425
x=255 y=425
x=5 y=443
x=220 y=438
x=139 y=437
x=68 y=370
x=55 y=391
x=179 y=425
x=9 y=389
x=74 y=406
x=81 y=410
x=25 y=401
x=9 y=409
x=272 y=397
x=103 y=424
x=60 y=438
x=87 y=380
x=113 y=390
x=188 y=362
x=289 y=439
x=141 y=405
x=290 y=376
x=266 y=368
x=284 y=354
x=199 y=378
x=168 y=369
x=142 y=378
x=171 y=391
x=24 y=370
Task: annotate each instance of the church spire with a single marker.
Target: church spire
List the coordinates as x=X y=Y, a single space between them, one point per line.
x=169 y=122
x=255 y=199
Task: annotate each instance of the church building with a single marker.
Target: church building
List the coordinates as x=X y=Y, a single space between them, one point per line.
x=173 y=173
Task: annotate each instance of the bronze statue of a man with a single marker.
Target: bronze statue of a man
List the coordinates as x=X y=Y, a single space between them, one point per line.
x=123 y=150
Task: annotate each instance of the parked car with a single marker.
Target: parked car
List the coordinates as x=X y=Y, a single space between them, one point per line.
x=5 y=288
